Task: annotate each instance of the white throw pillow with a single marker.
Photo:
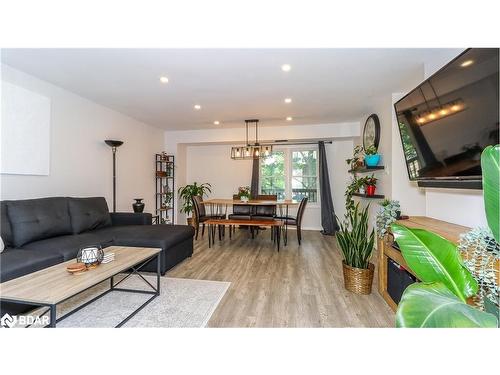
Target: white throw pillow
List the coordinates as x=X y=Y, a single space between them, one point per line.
x=2 y=246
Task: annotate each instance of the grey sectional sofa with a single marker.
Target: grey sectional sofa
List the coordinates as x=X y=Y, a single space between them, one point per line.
x=39 y=233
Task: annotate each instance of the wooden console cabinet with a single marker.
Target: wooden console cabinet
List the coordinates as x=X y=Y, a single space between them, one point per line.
x=385 y=250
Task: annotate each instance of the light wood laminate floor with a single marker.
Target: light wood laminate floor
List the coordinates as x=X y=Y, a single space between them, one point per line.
x=301 y=286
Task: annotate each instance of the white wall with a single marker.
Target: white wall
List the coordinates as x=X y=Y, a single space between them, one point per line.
x=80 y=162
x=204 y=156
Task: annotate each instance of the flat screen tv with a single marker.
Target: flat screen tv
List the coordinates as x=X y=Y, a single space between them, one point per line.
x=447 y=121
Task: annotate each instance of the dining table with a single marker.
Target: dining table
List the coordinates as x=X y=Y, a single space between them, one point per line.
x=219 y=206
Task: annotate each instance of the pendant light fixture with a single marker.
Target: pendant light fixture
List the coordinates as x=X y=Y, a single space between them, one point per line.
x=251 y=150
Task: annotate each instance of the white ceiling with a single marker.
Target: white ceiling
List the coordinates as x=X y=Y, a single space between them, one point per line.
x=326 y=85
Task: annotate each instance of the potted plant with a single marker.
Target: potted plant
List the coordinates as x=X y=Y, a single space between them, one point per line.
x=244 y=193
x=186 y=193
x=357 y=158
x=372 y=157
x=389 y=212
x=371 y=184
x=357 y=248
x=447 y=285
x=354 y=187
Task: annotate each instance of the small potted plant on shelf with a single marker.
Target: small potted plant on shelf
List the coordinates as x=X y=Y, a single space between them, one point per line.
x=186 y=193
x=372 y=157
x=371 y=184
x=356 y=161
x=357 y=248
x=244 y=193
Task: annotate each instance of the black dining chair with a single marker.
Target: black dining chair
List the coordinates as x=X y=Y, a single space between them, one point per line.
x=240 y=211
x=201 y=216
x=265 y=211
x=297 y=220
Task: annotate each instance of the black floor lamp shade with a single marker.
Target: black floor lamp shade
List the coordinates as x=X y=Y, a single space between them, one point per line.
x=114 y=144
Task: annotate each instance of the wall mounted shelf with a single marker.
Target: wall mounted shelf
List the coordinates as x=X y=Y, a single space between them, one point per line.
x=367 y=169
x=375 y=196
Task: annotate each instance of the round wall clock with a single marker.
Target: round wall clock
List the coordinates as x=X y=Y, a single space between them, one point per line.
x=371 y=132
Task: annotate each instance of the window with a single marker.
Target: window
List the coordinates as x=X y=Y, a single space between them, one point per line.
x=290 y=173
x=272 y=174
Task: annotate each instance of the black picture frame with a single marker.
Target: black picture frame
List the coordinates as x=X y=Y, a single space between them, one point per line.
x=377 y=131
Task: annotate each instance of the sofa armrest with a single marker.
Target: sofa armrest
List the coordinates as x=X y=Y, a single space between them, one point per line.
x=131 y=218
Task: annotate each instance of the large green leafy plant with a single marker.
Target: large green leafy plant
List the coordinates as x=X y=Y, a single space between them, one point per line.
x=440 y=299
x=353 y=238
x=186 y=193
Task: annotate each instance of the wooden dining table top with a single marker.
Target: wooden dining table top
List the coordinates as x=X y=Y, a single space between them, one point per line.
x=252 y=202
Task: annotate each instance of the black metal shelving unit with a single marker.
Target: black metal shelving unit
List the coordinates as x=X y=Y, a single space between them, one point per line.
x=164 y=189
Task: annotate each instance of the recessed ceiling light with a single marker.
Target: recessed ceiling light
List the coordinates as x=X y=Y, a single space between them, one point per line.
x=467 y=63
x=289 y=118
x=286 y=67
x=164 y=79
x=288 y=100
x=197 y=107
x=216 y=122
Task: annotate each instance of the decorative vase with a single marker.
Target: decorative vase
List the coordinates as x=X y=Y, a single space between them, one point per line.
x=362 y=190
x=358 y=280
x=244 y=199
x=372 y=160
x=138 y=206
x=370 y=190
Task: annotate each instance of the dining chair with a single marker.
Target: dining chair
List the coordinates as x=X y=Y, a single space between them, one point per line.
x=297 y=220
x=265 y=211
x=201 y=216
x=240 y=211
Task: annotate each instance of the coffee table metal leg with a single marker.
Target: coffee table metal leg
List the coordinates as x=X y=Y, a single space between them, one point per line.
x=158 y=273
x=53 y=318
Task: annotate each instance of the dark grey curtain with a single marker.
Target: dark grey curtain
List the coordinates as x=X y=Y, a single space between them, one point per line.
x=328 y=219
x=254 y=187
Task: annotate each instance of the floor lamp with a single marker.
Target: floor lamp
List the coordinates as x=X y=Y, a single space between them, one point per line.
x=114 y=144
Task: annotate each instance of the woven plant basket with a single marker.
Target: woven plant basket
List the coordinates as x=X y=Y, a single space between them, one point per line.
x=358 y=280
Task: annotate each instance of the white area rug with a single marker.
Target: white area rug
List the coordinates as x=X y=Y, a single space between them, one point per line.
x=182 y=303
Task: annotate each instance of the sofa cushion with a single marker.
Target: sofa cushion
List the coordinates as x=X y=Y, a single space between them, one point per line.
x=36 y=219
x=164 y=236
x=68 y=246
x=18 y=262
x=6 y=230
x=88 y=214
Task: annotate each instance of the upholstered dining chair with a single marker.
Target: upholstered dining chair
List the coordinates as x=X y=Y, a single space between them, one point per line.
x=240 y=211
x=267 y=211
x=297 y=220
x=201 y=216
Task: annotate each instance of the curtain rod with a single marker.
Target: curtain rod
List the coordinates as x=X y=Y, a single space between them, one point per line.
x=284 y=142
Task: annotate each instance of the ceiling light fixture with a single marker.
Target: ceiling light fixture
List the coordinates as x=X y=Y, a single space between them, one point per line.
x=467 y=63
x=197 y=107
x=251 y=150
x=216 y=122
x=289 y=118
x=288 y=100
x=286 y=67
x=164 y=79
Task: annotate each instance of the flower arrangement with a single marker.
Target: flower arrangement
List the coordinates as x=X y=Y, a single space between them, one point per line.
x=389 y=212
x=244 y=193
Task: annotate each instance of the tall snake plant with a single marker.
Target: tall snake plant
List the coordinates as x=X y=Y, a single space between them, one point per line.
x=353 y=238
